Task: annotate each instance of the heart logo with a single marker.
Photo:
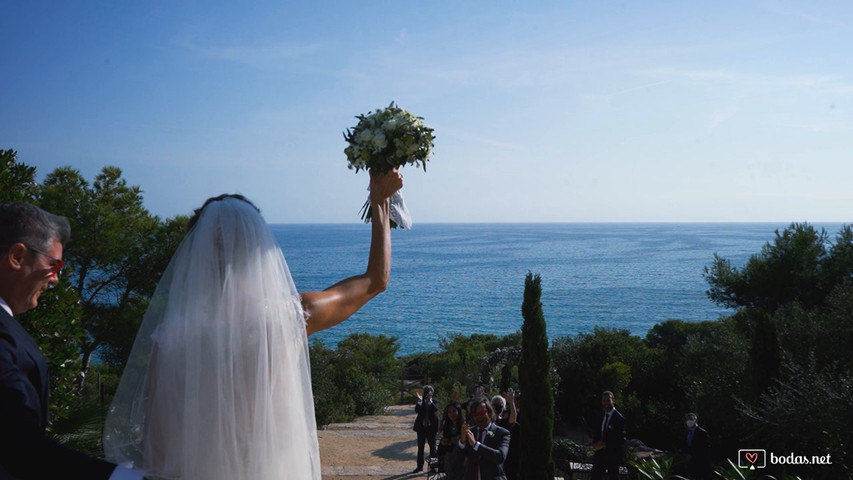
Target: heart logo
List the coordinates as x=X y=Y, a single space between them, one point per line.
x=752 y=457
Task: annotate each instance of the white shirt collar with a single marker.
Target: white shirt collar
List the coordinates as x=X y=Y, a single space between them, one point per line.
x=6 y=307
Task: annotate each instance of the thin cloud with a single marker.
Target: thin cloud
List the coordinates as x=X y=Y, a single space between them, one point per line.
x=819 y=126
x=263 y=55
x=827 y=83
x=718 y=118
x=402 y=35
x=604 y=97
x=777 y=8
x=470 y=138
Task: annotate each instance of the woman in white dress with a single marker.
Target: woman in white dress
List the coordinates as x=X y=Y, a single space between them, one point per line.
x=218 y=383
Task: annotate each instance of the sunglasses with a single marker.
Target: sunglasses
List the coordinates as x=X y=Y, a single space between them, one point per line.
x=57 y=265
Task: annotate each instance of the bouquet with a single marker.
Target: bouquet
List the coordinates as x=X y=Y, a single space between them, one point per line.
x=386 y=139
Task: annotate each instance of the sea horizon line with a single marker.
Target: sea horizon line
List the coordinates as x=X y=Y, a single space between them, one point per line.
x=637 y=222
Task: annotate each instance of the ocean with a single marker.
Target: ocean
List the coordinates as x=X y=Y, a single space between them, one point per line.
x=469 y=278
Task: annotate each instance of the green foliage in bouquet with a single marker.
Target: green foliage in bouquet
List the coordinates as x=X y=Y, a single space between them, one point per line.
x=388 y=138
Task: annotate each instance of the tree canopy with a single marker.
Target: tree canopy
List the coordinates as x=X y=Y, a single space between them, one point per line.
x=115 y=257
x=801 y=265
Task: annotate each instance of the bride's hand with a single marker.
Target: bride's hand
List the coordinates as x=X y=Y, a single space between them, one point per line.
x=384 y=185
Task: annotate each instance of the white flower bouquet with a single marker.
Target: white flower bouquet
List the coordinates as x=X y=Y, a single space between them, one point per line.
x=386 y=139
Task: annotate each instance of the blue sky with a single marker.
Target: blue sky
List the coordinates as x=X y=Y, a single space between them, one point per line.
x=543 y=111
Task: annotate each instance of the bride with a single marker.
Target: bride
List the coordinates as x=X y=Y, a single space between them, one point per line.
x=218 y=383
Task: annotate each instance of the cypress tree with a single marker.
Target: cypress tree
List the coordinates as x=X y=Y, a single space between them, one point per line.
x=537 y=424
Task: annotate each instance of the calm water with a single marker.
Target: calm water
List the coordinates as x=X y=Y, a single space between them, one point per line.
x=469 y=278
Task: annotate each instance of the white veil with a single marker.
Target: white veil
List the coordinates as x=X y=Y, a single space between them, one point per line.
x=218 y=384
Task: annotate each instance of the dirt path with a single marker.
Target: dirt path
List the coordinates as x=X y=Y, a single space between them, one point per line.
x=371 y=448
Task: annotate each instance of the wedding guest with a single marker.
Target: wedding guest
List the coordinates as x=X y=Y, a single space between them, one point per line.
x=31 y=246
x=485 y=445
x=451 y=431
x=507 y=418
x=426 y=425
x=609 y=440
x=696 y=449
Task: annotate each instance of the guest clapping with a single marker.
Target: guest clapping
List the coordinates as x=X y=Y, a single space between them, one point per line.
x=506 y=417
x=484 y=444
x=451 y=431
x=426 y=424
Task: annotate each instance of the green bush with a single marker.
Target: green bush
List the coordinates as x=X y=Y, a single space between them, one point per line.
x=358 y=378
x=571 y=451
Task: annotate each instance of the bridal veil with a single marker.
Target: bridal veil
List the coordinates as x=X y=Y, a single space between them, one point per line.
x=218 y=384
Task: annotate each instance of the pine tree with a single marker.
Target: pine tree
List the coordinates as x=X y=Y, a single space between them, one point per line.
x=764 y=353
x=537 y=462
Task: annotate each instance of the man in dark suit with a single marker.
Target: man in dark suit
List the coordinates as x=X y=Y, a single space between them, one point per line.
x=31 y=244
x=485 y=445
x=426 y=424
x=696 y=449
x=609 y=440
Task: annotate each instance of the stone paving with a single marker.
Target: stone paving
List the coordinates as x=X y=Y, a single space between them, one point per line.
x=371 y=448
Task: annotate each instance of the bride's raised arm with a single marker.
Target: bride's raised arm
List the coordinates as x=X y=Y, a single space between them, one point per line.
x=335 y=304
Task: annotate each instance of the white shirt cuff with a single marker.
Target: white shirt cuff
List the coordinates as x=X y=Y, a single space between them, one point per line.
x=124 y=473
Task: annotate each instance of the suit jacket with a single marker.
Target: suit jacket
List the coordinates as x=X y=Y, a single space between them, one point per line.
x=615 y=438
x=513 y=454
x=700 y=452
x=492 y=453
x=25 y=451
x=424 y=411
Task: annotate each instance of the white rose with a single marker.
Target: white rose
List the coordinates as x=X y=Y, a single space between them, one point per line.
x=391 y=124
x=379 y=141
x=365 y=136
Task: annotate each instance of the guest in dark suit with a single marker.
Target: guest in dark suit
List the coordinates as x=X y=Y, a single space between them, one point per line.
x=696 y=449
x=609 y=440
x=426 y=424
x=485 y=445
x=31 y=245
x=505 y=417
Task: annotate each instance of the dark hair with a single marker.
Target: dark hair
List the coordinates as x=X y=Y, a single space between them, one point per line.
x=21 y=222
x=459 y=417
x=198 y=211
x=472 y=405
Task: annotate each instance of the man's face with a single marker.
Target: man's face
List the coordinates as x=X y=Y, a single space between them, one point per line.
x=35 y=276
x=481 y=416
x=607 y=403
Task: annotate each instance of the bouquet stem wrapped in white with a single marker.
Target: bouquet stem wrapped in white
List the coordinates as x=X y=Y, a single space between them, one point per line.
x=386 y=139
